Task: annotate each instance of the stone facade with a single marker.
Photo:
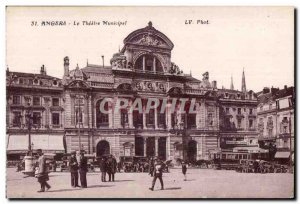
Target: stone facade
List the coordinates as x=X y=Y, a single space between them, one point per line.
x=143 y=69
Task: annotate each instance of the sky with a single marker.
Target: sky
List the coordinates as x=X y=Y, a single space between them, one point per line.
x=259 y=40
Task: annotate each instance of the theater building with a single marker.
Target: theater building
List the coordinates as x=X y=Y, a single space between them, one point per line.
x=143 y=69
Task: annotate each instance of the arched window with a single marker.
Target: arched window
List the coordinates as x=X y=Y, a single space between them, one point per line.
x=148 y=63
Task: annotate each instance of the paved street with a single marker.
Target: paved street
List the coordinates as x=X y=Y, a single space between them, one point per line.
x=202 y=183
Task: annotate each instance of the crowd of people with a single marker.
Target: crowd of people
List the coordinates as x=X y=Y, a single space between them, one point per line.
x=78 y=167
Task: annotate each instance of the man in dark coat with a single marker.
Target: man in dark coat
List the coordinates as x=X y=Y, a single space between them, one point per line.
x=158 y=171
x=83 y=169
x=103 y=169
x=73 y=165
x=184 y=169
x=111 y=165
x=42 y=173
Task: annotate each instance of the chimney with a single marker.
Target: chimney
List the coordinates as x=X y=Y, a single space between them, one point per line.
x=266 y=90
x=102 y=60
x=214 y=84
x=274 y=90
x=43 y=71
x=66 y=66
x=285 y=87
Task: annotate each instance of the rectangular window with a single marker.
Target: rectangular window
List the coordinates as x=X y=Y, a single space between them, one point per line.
x=150 y=117
x=210 y=119
x=250 y=123
x=124 y=117
x=55 y=101
x=36 y=120
x=36 y=101
x=161 y=120
x=55 y=118
x=191 y=121
x=250 y=111
x=78 y=115
x=16 y=100
x=239 y=111
x=137 y=119
x=239 y=123
x=16 y=119
x=227 y=110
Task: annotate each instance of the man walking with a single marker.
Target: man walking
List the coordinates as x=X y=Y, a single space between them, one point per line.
x=103 y=169
x=42 y=173
x=73 y=165
x=158 y=168
x=83 y=169
x=184 y=169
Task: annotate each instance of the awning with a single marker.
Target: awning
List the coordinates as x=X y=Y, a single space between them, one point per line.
x=48 y=143
x=283 y=155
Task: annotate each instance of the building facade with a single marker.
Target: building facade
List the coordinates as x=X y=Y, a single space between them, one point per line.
x=276 y=118
x=142 y=70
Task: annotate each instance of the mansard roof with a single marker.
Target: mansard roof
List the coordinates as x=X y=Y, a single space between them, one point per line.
x=149 y=36
x=97 y=69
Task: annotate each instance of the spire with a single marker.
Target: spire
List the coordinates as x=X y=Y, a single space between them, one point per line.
x=231 y=85
x=87 y=62
x=243 y=82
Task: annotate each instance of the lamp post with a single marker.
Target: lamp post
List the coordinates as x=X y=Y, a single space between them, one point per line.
x=78 y=119
x=29 y=164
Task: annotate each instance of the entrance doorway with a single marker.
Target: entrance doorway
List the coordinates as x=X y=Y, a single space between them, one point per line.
x=162 y=148
x=192 y=150
x=102 y=148
x=150 y=147
x=139 y=146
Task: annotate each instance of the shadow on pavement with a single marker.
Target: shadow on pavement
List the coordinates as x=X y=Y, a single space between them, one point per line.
x=172 y=188
x=122 y=180
x=63 y=190
x=98 y=186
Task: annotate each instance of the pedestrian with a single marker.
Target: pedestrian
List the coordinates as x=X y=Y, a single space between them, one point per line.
x=184 y=169
x=111 y=168
x=83 y=169
x=73 y=165
x=41 y=172
x=103 y=169
x=158 y=171
x=54 y=166
x=151 y=169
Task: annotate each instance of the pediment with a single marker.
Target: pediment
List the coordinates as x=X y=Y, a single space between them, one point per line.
x=78 y=84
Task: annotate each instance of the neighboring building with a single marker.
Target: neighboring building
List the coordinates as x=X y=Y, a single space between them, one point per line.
x=238 y=116
x=141 y=69
x=276 y=118
x=40 y=96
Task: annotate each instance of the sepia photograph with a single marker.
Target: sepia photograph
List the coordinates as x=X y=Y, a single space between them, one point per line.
x=157 y=102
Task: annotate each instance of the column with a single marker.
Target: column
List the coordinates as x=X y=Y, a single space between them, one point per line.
x=154 y=64
x=144 y=118
x=155 y=118
x=130 y=116
x=144 y=63
x=168 y=156
x=169 y=115
x=156 y=146
x=145 y=146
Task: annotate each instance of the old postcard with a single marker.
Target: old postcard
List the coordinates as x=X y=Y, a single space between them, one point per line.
x=150 y=102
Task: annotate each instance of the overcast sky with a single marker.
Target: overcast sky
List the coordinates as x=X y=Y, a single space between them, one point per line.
x=260 y=40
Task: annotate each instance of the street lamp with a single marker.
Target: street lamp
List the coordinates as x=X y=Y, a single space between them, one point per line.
x=29 y=164
x=78 y=119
